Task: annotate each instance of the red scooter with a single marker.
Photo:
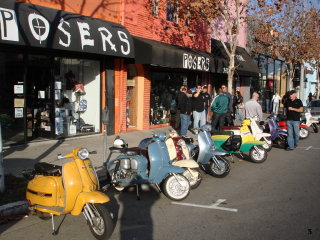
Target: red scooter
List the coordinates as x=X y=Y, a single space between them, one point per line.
x=303 y=133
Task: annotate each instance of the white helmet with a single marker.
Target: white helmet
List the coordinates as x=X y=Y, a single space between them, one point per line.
x=120 y=143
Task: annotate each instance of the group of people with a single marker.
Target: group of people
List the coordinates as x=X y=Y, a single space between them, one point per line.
x=225 y=108
x=195 y=104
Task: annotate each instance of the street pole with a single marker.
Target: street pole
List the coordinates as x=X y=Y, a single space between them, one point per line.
x=105 y=121
x=2 y=185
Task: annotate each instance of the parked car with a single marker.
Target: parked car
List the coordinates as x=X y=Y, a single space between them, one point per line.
x=314 y=107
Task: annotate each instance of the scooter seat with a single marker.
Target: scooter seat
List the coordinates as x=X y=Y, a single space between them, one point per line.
x=48 y=169
x=188 y=140
x=229 y=133
x=228 y=128
x=129 y=151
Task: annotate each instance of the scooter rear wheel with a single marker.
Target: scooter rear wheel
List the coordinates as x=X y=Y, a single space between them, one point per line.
x=194 y=177
x=219 y=171
x=102 y=225
x=176 y=187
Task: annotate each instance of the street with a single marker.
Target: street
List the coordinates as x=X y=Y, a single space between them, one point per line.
x=278 y=199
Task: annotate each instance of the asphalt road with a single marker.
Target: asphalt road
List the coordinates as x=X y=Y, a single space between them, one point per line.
x=278 y=199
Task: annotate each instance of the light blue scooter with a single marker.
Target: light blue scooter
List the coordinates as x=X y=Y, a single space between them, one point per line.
x=135 y=166
x=208 y=157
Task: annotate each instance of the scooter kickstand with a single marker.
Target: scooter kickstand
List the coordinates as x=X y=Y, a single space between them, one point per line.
x=137 y=189
x=54 y=232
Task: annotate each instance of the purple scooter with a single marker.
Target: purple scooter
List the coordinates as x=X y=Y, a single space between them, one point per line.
x=278 y=136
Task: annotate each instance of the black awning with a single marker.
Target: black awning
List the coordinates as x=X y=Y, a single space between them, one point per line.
x=165 y=55
x=244 y=62
x=33 y=25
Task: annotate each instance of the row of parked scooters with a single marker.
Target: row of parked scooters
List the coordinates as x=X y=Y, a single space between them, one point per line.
x=172 y=163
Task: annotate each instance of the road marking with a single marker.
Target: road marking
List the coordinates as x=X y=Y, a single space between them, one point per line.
x=212 y=206
x=308 y=148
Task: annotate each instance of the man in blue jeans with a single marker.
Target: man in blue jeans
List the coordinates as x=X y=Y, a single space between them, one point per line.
x=294 y=108
x=185 y=107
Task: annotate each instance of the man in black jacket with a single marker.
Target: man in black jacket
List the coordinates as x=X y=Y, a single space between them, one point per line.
x=294 y=108
x=185 y=107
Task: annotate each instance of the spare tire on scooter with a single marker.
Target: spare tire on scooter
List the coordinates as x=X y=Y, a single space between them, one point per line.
x=258 y=154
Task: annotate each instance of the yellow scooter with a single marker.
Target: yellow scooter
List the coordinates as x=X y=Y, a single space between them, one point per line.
x=69 y=189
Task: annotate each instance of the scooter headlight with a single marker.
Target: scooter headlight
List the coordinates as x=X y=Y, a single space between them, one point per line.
x=83 y=153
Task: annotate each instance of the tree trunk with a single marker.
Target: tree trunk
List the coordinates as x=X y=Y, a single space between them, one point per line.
x=230 y=73
x=301 y=90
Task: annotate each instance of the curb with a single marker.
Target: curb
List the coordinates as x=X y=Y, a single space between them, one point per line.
x=14 y=208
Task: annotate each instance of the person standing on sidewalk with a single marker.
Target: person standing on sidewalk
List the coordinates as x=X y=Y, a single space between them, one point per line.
x=228 y=116
x=293 y=107
x=252 y=108
x=275 y=103
x=178 y=97
x=207 y=100
x=198 y=104
x=185 y=107
x=219 y=108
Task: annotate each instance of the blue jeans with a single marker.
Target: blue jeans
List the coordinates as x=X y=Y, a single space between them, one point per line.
x=275 y=107
x=293 y=133
x=199 y=117
x=185 y=119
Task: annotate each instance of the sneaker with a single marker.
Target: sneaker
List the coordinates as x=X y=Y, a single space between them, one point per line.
x=296 y=145
x=289 y=149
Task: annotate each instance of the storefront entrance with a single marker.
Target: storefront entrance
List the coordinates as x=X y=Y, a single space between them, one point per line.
x=39 y=115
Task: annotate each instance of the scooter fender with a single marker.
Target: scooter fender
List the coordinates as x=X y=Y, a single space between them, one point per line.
x=186 y=164
x=259 y=136
x=88 y=197
x=164 y=172
x=210 y=154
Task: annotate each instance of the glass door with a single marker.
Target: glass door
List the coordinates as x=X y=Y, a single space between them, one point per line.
x=39 y=99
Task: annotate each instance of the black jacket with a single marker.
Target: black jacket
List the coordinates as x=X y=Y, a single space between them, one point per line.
x=185 y=104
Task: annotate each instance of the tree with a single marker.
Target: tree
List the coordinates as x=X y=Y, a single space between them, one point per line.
x=285 y=29
x=224 y=18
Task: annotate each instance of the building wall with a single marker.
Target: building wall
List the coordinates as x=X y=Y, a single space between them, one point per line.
x=139 y=21
x=106 y=10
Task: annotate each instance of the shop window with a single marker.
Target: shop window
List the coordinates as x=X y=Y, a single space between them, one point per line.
x=172 y=11
x=12 y=98
x=155 y=9
x=164 y=88
x=132 y=97
x=77 y=96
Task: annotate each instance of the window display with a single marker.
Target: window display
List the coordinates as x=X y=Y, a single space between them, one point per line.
x=77 y=104
x=164 y=88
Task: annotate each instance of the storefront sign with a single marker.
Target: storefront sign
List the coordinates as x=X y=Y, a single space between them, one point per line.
x=37 y=26
x=196 y=62
x=18 y=89
x=18 y=112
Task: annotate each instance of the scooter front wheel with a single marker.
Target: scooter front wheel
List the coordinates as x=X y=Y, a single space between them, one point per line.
x=219 y=167
x=267 y=144
x=303 y=133
x=258 y=154
x=99 y=221
x=194 y=177
x=176 y=187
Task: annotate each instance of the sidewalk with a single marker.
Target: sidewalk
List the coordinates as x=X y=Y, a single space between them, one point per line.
x=22 y=157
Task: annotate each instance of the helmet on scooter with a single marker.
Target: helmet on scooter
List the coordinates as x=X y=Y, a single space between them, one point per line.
x=120 y=143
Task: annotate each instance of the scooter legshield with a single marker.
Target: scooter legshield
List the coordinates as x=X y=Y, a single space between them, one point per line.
x=88 y=197
x=164 y=172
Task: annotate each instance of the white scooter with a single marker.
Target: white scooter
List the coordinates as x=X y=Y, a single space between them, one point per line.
x=258 y=134
x=310 y=121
